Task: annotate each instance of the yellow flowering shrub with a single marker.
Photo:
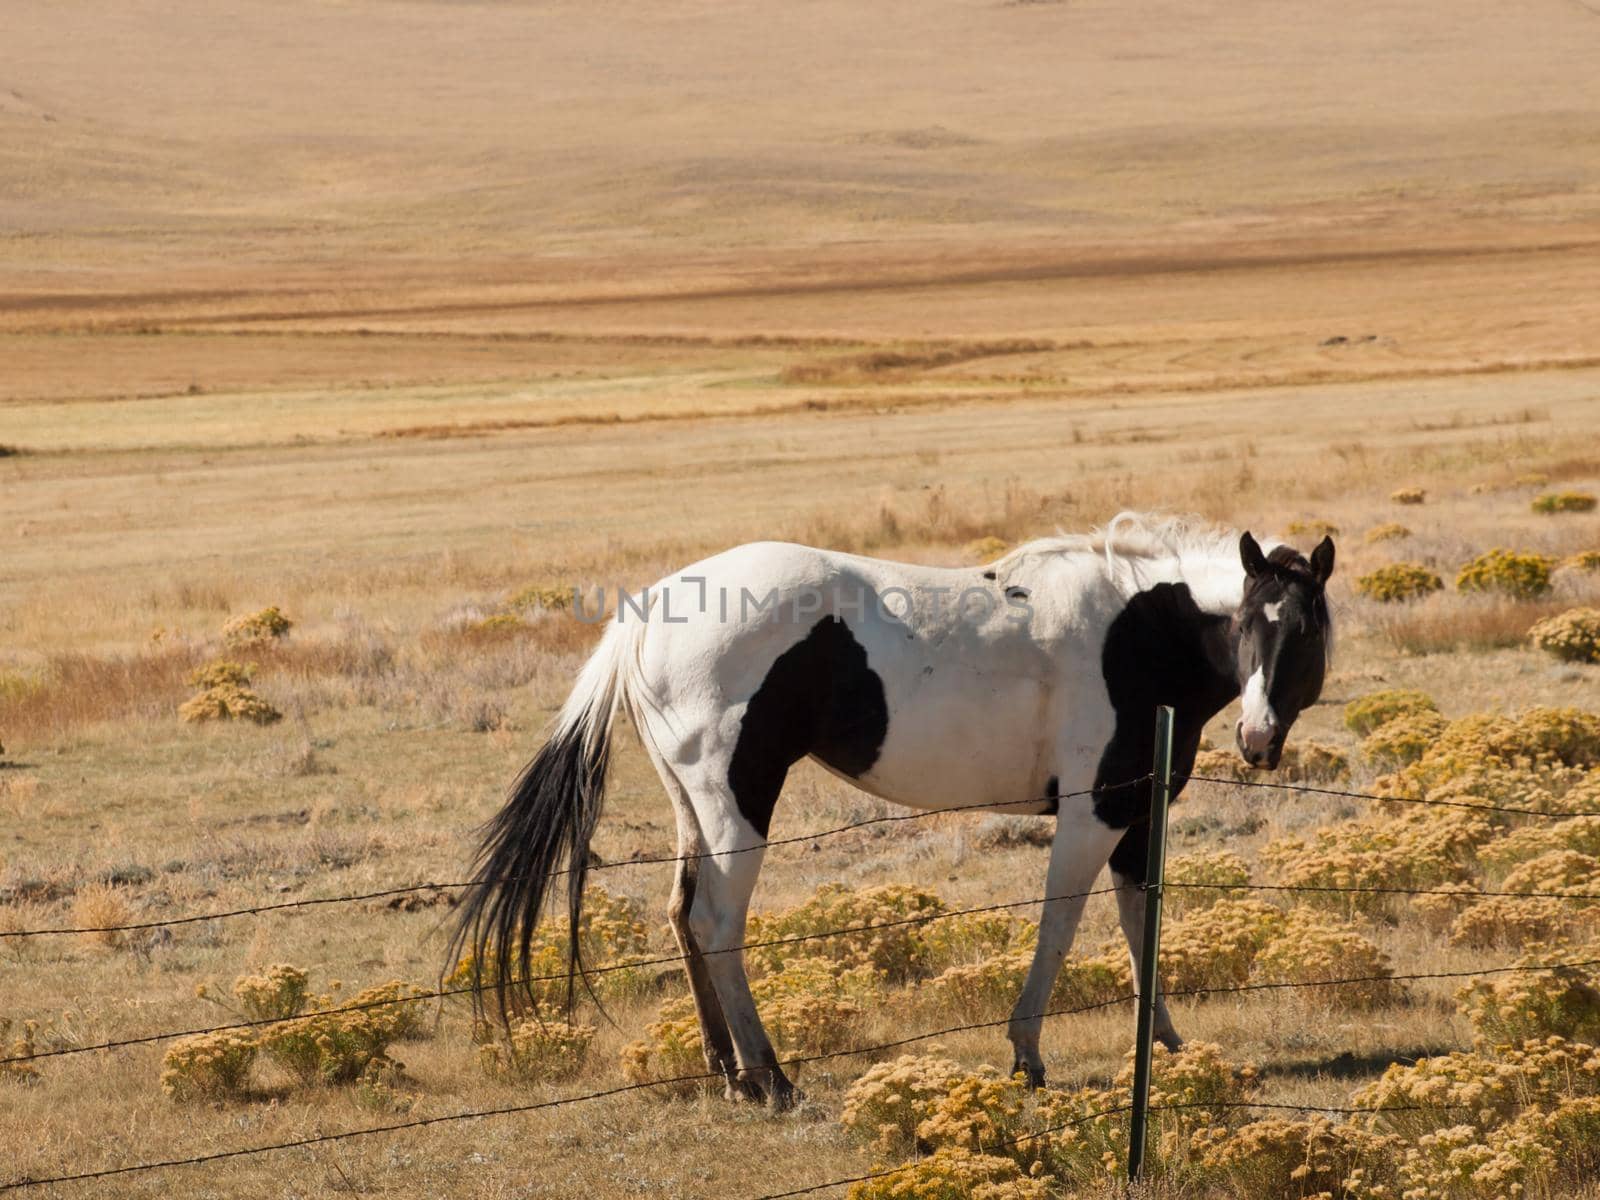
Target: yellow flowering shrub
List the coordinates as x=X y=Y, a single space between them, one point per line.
x=672 y=1050
x=1422 y=848
x=1311 y=529
x=1555 y=871
x=1402 y=740
x=1216 y=946
x=1439 y=909
x=1462 y=1162
x=1563 y=502
x=900 y=951
x=1221 y=871
x=1512 y=1008
x=1572 y=636
x=1199 y=1085
x=973 y=938
x=1366 y=713
x=228 y=704
x=1220 y=764
x=1507 y=572
x=1490 y=750
x=809 y=1006
x=978 y=1113
x=1431 y=1093
x=885 y=1105
x=257 y=628
x=1408 y=495
x=537 y=1050
x=23 y=1045
x=278 y=992
x=1584 y=560
x=954 y=1174
x=1497 y=921
x=334 y=1043
x=222 y=672
x=1581 y=834
x=987 y=990
x=1398 y=582
x=1308 y=1159
x=1389 y=531
x=546 y=596
x=209 y=1066
x=1314 y=947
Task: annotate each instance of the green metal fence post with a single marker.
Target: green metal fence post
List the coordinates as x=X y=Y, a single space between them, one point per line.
x=1155 y=872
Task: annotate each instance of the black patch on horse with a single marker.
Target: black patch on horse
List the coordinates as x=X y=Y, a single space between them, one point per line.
x=1161 y=649
x=1052 y=795
x=819 y=697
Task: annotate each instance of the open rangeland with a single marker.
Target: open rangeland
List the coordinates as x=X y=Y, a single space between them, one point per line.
x=403 y=318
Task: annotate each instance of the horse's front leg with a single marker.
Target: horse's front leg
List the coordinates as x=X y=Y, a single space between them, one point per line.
x=1079 y=850
x=1129 y=865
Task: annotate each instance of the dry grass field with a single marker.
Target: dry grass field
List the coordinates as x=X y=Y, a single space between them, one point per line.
x=384 y=311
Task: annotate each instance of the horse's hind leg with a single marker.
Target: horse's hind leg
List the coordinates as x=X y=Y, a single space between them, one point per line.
x=714 y=1036
x=721 y=904
x=716 y=917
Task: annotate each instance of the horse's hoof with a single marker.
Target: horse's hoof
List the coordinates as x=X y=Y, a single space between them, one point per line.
x=1033 y=1075
x=744 y=1088
x=1170 y=1040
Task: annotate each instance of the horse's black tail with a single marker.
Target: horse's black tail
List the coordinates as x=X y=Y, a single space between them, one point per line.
x=544 y=829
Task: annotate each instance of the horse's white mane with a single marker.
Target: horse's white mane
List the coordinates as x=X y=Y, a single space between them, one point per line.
x=1197 y=546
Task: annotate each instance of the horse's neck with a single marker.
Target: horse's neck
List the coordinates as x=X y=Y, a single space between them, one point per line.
x=1173 y=651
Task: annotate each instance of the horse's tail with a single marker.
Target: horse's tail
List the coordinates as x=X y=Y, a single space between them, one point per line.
x=546 y=826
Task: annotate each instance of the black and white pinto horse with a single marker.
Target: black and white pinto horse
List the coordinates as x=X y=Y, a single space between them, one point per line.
x=1030 y=684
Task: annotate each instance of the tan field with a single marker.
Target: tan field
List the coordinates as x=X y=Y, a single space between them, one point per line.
x=381 y=311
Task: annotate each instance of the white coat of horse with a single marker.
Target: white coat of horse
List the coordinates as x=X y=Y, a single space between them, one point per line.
x=1029 y=684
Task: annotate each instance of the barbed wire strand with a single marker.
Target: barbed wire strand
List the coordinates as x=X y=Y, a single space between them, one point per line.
x=478 y=1114
x=1422 y=800
x=258 y=909
x=1454 y=893
x=609 y=968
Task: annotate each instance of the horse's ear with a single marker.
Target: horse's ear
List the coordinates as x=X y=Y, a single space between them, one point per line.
x=1322 y=560
x=1255 y=562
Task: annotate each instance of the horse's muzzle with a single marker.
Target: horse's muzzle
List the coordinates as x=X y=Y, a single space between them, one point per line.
x=1261 y=746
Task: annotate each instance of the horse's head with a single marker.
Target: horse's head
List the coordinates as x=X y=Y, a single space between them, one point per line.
x=1284 y=634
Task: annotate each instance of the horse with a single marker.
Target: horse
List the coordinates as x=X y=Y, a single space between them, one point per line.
x=1026 y=685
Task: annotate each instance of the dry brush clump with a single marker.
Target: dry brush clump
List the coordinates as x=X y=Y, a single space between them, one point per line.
x=975 y=1133
x=1552 y=503
x=1311 y=528
x=1548 y=1000
x=18 y=1043
x=316 y=1039
x=1389 y=531
x=1201 y=878
x=1572 y=636
x=1398 y=582
x=257 y=629
x=224 y=695
x=1367 y=713
x=1507 y=572
x=532 y=1050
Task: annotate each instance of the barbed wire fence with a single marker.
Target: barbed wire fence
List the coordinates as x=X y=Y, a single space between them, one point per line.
x=1139 y=1108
